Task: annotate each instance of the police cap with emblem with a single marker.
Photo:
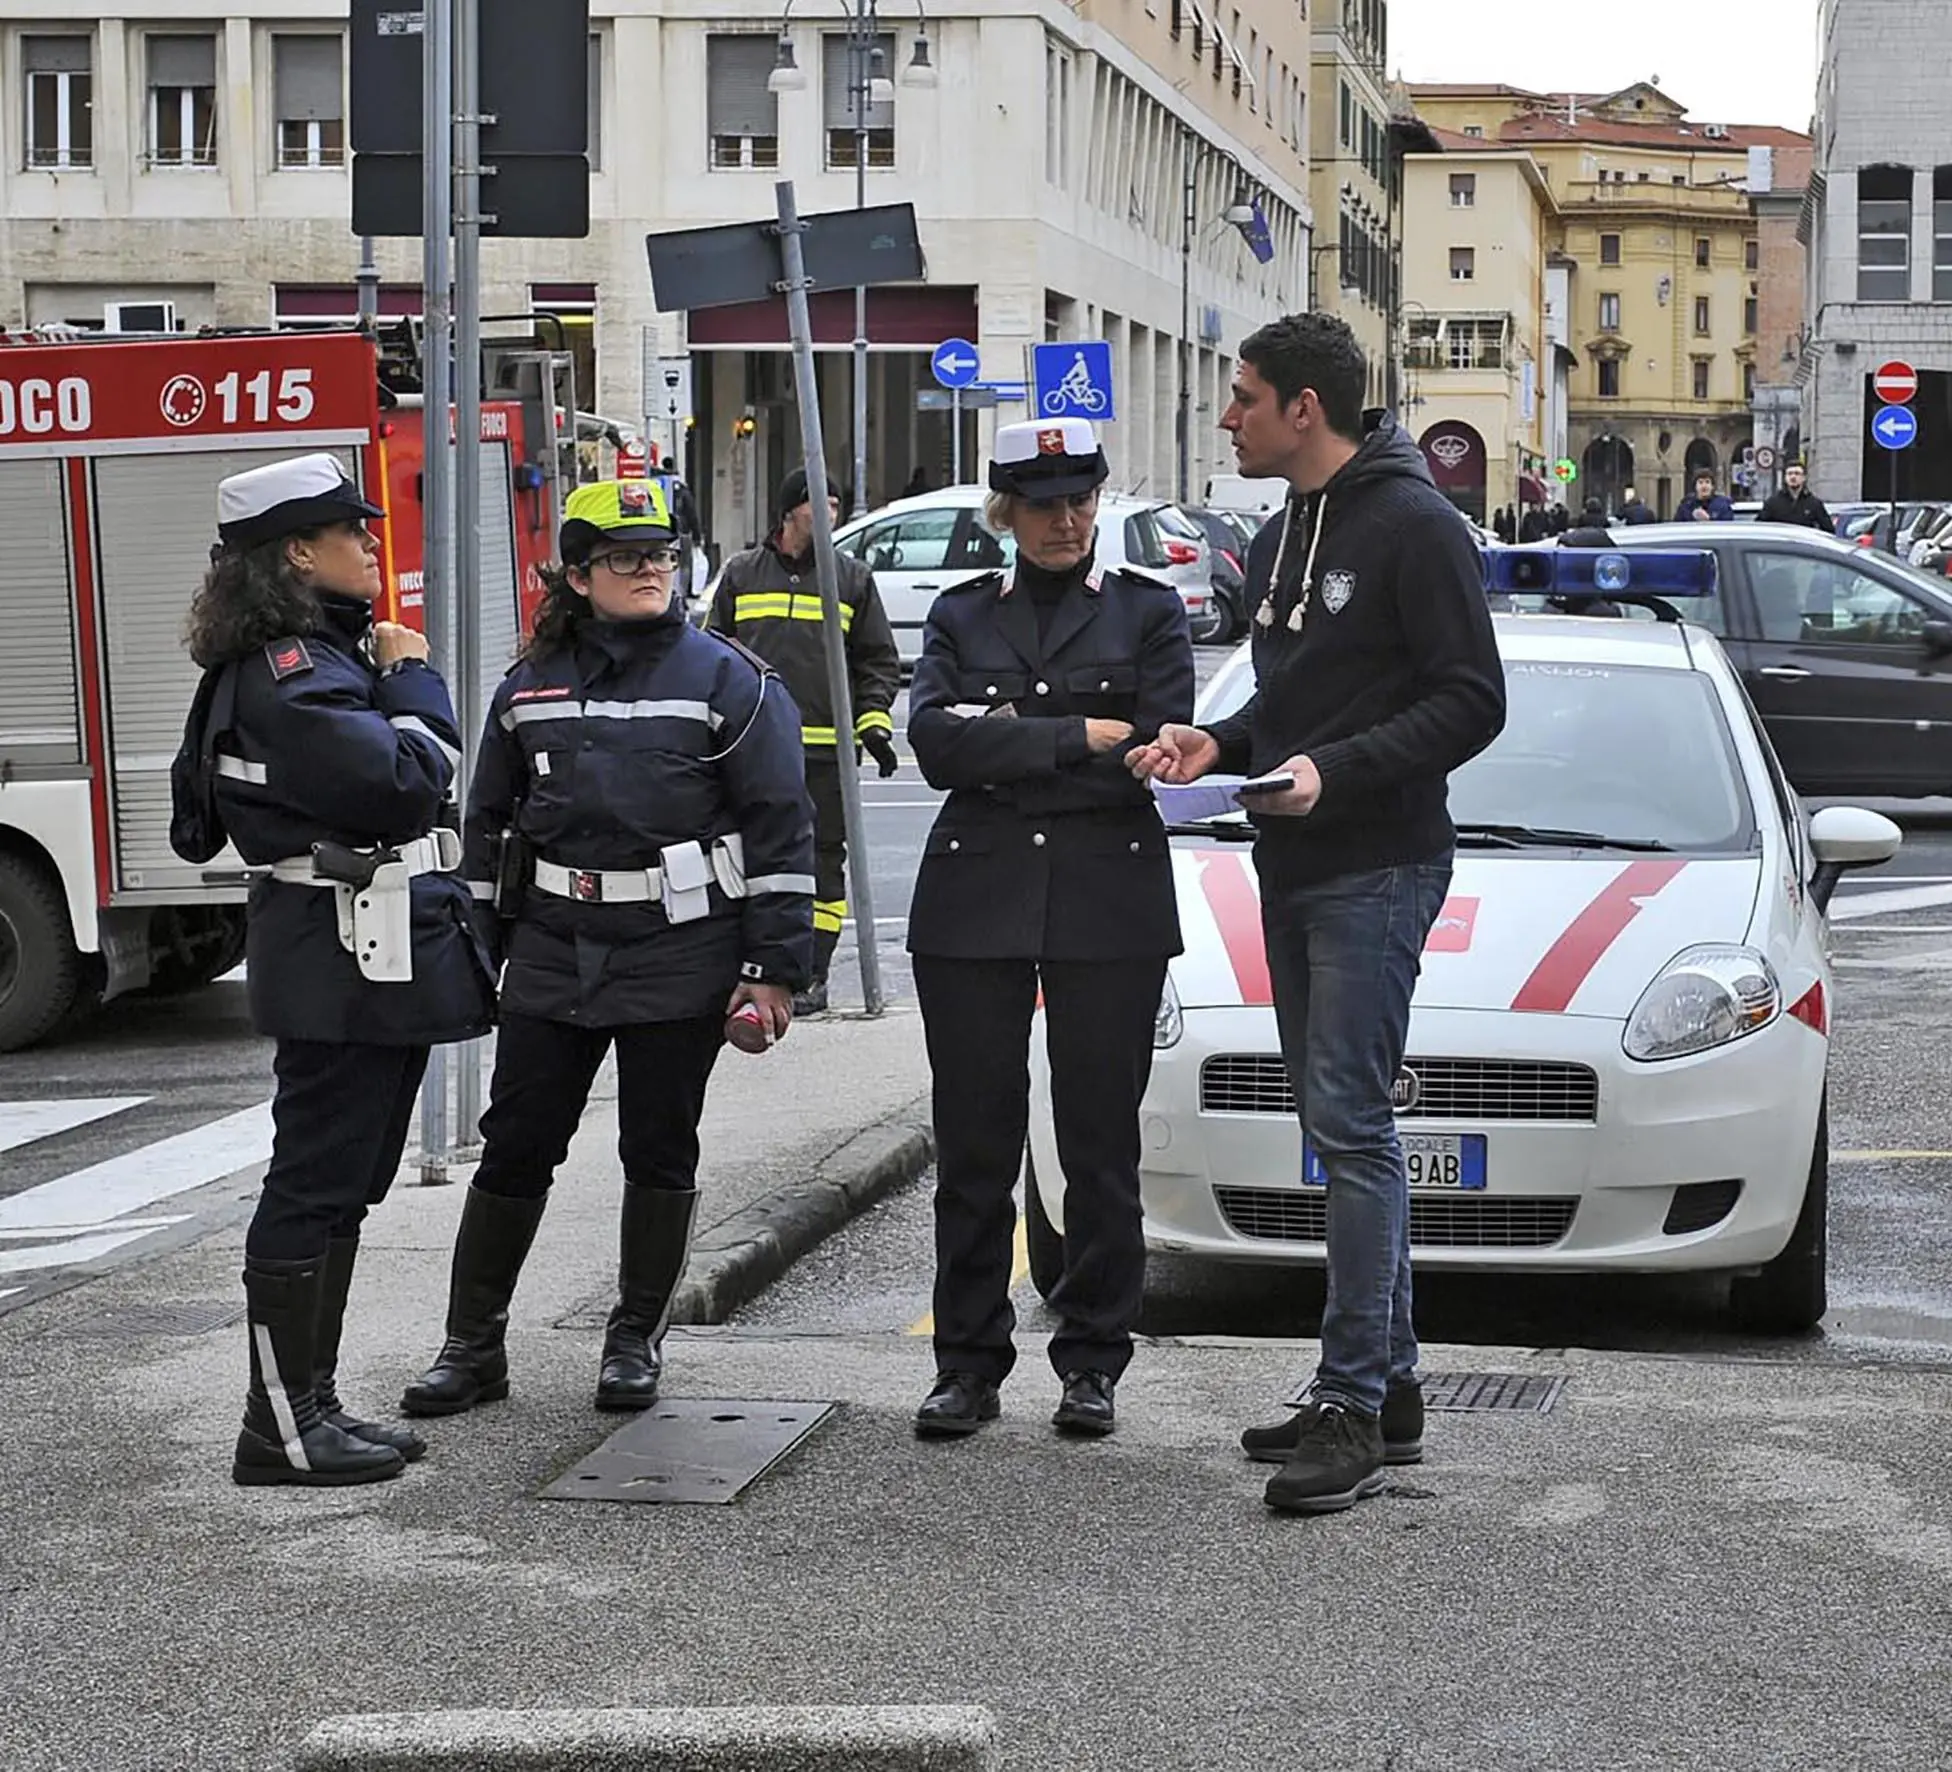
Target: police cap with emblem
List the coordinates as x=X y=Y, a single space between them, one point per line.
x=636 y=511
x=283 y=497
x=1047 y=458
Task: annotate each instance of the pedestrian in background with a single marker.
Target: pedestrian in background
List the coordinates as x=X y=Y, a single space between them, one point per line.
x=769 y=600
x=640 y=842
x=1796 y=503
x=324 y=745
x=1376 y=674
x=1704 y=504
x=1046 y=873
x=1633 y=509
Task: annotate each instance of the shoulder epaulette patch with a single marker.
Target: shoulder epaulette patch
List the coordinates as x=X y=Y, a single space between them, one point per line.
x=287 y=658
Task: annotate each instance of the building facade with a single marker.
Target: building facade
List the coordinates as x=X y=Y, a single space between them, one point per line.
x=1778 y=189
x=1069 y=166
x=1877 y=224
x=1478 y=227
x=1664 y=294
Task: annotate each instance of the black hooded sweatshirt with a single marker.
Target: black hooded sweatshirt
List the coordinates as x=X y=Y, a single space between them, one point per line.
x=1374 y=657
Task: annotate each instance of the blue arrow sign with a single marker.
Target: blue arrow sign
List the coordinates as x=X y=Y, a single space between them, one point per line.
x=1895 y=427
x=955 y=363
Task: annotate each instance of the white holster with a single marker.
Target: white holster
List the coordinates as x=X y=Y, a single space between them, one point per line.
x=376 y=920
x=685 y=876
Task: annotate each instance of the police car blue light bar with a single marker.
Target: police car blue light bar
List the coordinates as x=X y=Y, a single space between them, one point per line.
x=1600 y=572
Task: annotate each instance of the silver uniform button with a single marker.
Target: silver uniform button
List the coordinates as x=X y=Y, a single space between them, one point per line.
x=991 y=690
x=1135 y=849
x=1038 y=839
x=954 y=844
x=1043 y=689
x=1106 y=684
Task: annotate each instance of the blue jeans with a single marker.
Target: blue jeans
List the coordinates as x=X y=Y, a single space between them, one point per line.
x=1343 y=956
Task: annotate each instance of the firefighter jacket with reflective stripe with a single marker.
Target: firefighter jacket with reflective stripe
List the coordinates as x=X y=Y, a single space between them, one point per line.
x=772 y=604
x=320 y=747
x=629 y=748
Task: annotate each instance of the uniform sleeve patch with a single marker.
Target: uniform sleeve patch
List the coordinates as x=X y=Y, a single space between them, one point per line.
x=287 y=658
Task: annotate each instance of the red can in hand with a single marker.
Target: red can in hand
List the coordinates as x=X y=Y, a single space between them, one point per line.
x=746 y=1029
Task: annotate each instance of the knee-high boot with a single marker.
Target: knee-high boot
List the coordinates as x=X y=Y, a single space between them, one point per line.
x=341 y=1255
x=472 y=1366
x=655 y=1242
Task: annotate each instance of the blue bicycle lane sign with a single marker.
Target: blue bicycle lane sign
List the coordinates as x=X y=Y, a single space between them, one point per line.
x=1073 y=380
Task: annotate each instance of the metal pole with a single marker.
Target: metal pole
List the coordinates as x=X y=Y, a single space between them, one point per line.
x=467 y=456
x=437 y=482
x=1185 y=414
x=861 y=54
x=800 y=328
x=368 y=279
x=955 y=436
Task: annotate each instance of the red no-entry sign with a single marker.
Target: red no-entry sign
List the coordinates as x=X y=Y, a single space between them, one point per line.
x=1896 y=383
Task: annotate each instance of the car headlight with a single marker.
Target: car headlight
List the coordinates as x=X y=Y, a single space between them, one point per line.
x=1168 y=1024
x=1703 y=998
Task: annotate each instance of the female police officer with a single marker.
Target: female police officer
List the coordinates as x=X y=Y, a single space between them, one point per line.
x=323 y=744
x=1046 y=868
x=649 y=780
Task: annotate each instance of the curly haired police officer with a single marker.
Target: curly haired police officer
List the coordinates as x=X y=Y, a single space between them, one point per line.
x=323 y=745
x=641 y=781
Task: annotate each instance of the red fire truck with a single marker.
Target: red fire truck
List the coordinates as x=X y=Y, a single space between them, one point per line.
x=110 y=454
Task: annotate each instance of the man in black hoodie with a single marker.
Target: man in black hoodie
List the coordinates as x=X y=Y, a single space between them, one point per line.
x=1377 y=674
x=1796 y=503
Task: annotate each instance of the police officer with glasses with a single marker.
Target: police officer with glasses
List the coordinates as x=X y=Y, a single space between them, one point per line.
x=1046 y=874
x=323 y=745
x=640 y=840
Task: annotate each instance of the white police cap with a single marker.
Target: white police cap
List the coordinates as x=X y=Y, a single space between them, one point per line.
x=305 y=492
x=1047 y=458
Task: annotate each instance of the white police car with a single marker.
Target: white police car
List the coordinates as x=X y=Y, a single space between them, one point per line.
x=1619 y=1042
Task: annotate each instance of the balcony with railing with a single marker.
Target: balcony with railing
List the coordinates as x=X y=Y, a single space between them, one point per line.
x=1446 y=342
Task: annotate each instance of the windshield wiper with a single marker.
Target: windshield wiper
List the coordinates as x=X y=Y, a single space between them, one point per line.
x=1228 y=830
x=1526 y=836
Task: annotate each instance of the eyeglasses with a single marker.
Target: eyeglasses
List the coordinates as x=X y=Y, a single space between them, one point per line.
x=628 y=562
x=1077 y=501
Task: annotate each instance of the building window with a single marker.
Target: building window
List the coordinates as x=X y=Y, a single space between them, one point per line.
x=1609 y=249
x=1348 y=116
x=1704 y=251
x=1177 y=18
x=1701 y=366
x=1609 y=378
x=1701 y=316
x=1463 y=263
x=1942 y=234
x=1057 y=114
x=60 y=101
x=1463 y=190
x=741 y=115
x=1609 y=313
x=1884 y=233
x=876 y=124
x=1751 y=312
x=1475 y=131
x=182 y=101
x=1748 y=382
x=1751 y=255
x=308 y=74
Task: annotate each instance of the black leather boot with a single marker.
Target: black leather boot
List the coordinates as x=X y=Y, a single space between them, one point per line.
x=472 y=1366
x=284 y=1438
x=813 y=1000
x=656 y=1240
x=341 y=1255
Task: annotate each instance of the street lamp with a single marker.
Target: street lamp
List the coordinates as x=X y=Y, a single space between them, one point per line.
x=1239 y=215
x=868 y=85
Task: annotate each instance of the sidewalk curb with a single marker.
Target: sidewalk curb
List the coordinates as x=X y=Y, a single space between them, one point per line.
x=733 y=1262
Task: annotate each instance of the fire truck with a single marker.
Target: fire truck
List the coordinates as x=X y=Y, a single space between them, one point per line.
x=110 y=454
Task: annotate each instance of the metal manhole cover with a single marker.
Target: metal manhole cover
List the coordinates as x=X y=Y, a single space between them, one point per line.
x=163 y=1319
x=1506 y=1392
x=690 y=1449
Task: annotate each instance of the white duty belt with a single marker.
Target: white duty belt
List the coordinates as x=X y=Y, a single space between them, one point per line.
x=681 y=883
x=376 y=919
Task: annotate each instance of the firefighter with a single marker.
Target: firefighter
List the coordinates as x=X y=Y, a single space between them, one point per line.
x=769 y=599
x=1047 y=871
x=639 y=820
x=323 y=744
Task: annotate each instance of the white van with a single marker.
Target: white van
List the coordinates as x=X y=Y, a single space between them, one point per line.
x=1235 y=492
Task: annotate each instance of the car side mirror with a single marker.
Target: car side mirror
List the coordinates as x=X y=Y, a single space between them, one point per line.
x=1937 y=636
x=1846 y=837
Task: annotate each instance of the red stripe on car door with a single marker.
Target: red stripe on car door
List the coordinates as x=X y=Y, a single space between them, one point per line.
x=1236 y=908
x=1570 y=960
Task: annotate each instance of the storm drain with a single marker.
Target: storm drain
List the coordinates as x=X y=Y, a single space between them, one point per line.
x=195 y=1318
x=690 y=1449
x=1507 y=1393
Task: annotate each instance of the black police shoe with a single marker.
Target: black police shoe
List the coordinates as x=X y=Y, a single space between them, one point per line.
x=1087 y=1405
x=1338 y=1462
x=957 y=1407
x=812 y=1000
x=1402 y=1423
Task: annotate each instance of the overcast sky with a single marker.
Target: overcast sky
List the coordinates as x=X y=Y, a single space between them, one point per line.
x=1726 y=63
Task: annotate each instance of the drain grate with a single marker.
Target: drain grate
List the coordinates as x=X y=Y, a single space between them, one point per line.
x=689 y=1449
x=196 y=1318
x=1508 y=1393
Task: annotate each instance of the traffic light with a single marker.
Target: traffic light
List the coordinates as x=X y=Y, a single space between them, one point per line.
x=744 y=425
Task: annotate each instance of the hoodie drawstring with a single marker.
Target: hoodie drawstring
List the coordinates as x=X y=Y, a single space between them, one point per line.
x=1264 y=616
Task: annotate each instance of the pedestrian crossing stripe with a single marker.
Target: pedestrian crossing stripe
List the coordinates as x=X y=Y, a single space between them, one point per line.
x=26 y=1122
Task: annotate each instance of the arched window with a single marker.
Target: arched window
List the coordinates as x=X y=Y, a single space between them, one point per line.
x=1884 y=233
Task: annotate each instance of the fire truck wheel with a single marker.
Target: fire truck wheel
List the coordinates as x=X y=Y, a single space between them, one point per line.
x=190 y=945
x=40 y=971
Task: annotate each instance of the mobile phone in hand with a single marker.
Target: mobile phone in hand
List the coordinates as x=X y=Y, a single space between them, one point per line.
x=1278 y=783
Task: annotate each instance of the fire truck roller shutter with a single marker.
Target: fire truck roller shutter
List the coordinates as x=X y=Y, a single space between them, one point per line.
x=501 y=591
x=40 y=702
x=154 y=515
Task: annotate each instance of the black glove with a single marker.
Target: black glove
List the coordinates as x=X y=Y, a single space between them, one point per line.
x=881 y=746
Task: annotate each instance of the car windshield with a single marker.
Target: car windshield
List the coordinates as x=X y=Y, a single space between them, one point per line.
x=1625 y=752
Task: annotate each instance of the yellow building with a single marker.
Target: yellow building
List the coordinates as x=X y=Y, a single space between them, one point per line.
x=1478 y=225
x=1652 y=215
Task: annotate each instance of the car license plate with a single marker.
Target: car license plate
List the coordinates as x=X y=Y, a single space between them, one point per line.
x=1432 y=1159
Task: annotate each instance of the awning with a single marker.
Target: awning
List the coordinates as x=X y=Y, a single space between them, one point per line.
x=1530 y=491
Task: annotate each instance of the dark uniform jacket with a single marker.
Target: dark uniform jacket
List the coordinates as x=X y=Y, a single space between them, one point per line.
x=1803 y=508
x=310 y=743
x=639 y=736
x=772 y=604
x=1044 y=851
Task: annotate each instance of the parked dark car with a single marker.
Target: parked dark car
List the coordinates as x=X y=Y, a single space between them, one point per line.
x=1227 y=534
x=1846 y=653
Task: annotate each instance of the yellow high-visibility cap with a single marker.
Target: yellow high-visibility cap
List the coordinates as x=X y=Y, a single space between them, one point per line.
x=638 y=510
